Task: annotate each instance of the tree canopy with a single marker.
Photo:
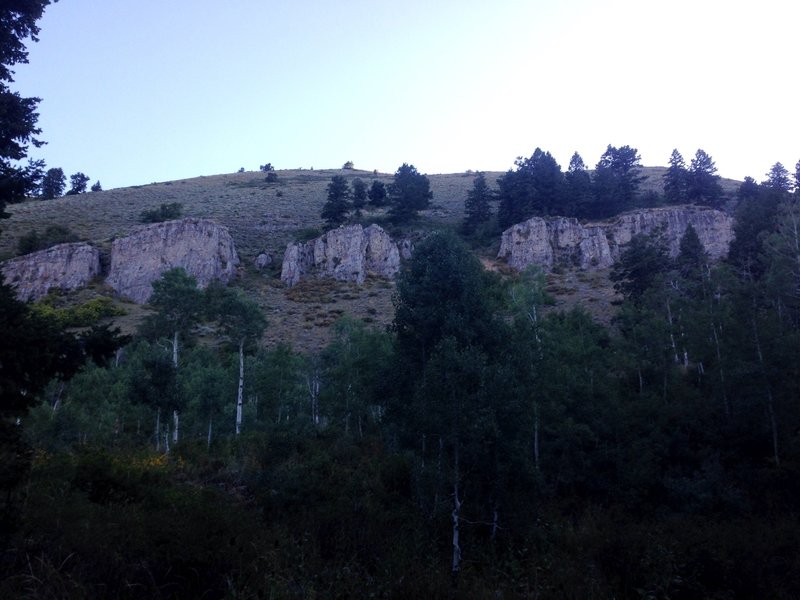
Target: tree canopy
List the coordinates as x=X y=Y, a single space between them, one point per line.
x=409 y=193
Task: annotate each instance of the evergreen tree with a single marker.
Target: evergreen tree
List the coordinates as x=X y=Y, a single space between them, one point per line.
x=578 y=188
x=53 y=184
x=336 y=207
x=77 y=184
x=377 y=194
x=778 y=179
x=96 y=187
x=359 y=195
x=703 y=182
x=616 y=181
x=409 y=193
x=676 y=180
x=639 y=266
x=476 y=206
x=535 y=188
x=18 y=117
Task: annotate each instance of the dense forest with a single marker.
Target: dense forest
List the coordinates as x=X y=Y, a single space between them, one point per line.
x=481 y=447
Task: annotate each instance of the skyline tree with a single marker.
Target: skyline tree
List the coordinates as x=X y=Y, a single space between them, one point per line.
x=616 y=180
x=703 y=185
x=409 y=193
x=53 y=184
x=676 y=180
x=77 y=184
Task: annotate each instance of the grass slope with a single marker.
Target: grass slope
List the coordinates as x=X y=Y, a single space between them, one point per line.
x=264 y=217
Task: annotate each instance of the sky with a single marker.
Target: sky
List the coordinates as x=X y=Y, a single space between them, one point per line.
x=142 y=91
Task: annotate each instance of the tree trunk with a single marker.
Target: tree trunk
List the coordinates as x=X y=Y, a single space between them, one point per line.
x=175 y=349
x=176 y=422
x=158 y=429
x=770 y=399
x=208 y=441
x=536 y=435
x=240 y=393
x=456 y=519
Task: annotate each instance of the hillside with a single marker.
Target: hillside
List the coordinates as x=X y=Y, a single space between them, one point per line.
x=264 y=217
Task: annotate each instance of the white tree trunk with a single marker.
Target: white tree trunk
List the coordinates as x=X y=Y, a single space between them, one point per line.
x=176 y=423
x=240 y=394
x=158 y=429
x=210 y=421
x=175 y=349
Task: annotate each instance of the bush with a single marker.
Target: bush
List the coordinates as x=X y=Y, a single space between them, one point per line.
x=271 y=177
x=54 y=234
x=82 y=315
x=165 y=212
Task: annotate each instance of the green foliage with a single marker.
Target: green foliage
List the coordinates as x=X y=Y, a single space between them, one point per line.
x=18 y=115
x=335 y=209
x=676 y=180
x=77 y=184
x=535 y=188
x=53 y=235
x=53 y=184
x=96 y=187
x=703 y=185
x=476 y=207
x=165 y=212
x=616 y=180
x=377 y=194
x=359 y=195
x=640 y=265
x=80 y=315
x=409 y=193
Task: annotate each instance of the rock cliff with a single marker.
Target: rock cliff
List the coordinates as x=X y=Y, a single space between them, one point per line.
x=563 y=241
x=65 y=266
x=202 y=247
x=348 y=254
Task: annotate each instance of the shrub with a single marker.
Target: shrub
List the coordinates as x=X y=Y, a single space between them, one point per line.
x=165 y=212
x=54 y=234
x=271 y=177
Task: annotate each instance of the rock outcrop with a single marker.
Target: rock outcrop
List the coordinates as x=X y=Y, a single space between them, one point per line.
x=348 y=254
x=65 y=266
x=564 y=241
x=202 y=247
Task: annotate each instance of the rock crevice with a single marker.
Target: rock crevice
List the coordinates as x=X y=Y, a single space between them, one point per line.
x=348 y=253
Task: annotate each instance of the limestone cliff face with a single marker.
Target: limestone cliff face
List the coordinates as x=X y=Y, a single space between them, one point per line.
x=65 y=266
x=347 y=254
x=563 y=241
x=202 y=247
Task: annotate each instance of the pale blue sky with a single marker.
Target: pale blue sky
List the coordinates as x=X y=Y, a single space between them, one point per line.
x=136 y=91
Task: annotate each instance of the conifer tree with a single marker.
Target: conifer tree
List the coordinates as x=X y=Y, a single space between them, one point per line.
x=476 y=206
x=336 y=207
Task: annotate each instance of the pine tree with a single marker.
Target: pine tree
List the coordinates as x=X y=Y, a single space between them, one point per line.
x=476 y=206
x=409 y=193
x=703 y=181
x=676 y=180
x=336 y=207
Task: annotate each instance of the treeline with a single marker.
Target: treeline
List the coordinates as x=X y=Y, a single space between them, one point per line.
x=478 y=444
x=538 y=187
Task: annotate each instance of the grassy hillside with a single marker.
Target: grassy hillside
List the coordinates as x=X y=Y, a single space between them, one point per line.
x=264 y=217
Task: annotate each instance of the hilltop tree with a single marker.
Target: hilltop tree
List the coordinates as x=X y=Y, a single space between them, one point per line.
x=536 y=187
x=53 y=184
x=476 y=206
x=336 y=207
x=778 y=179
x=676 y=180
x=77 y=184
x=18 y=116
x=578 y=194
x=616 y=181
x=409 y=193
x=96 y=187
x=703 y=185
x=377 y=194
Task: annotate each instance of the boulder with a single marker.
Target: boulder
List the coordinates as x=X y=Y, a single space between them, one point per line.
x=65 y=266
x=262 y=261
x=564 y=241
x=348 y=253
x=202 y=247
